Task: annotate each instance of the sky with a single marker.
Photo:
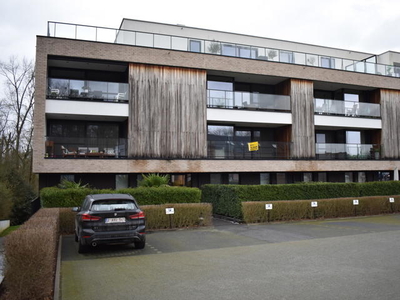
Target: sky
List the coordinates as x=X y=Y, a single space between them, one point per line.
x=371 y=26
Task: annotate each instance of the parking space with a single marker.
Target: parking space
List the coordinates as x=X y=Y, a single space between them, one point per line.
x=334 y=259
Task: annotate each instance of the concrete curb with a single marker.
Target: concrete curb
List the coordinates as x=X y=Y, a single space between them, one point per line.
x=58 y=272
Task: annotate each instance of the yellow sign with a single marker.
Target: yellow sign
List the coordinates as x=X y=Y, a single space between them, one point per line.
x=253 y=146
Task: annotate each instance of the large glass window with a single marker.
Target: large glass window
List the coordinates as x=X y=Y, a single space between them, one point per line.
x=286 y=56
x=228 y=50
x=121 y=181
x=215 y=179
x=348 y=177
x=233 y=178
x=195 y=46
x=265 y=178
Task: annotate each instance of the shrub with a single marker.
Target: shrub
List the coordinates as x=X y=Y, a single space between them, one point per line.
x=30 y=254
x=185 y=215
x=154 y=180
x=255 y=212
x=55 y=197
x=66 y=184
x=67 y=220
x=5 y=202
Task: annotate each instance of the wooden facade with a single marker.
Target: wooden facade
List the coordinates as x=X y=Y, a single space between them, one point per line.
x=167 y=112
x=390 y=109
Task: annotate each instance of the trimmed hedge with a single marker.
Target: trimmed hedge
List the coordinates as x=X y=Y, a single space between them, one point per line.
x=227 y=199
x=255 y=212
x=55 y=197
x=185 y=215
x=30 y=255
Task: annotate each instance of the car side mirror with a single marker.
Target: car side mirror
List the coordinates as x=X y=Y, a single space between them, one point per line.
x=76 y=209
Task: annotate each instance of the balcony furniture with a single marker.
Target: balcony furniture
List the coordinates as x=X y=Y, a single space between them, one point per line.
x=54 y=92
x=67 y=152
x=120 y=96
x=73 y=93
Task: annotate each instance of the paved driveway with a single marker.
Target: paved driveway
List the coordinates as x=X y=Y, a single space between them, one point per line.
x=338 y=259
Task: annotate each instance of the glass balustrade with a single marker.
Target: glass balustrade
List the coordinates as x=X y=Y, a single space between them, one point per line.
x=347 y=151
x=83 y=147
x=347 y=108
x=87 y=90
x=145 y=39
x=240 y=150
x=246 y=100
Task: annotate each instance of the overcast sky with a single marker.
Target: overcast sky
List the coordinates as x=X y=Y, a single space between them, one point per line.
x=371 y=26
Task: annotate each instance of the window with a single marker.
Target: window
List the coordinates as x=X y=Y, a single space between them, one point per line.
x=69 y=177
x=195 y=46
x=361 y=177
x=280 y=178
x=121 y=181
x=307 y=177
x=233 y=178
x=265 y=178
x=228 y=50
x=178 y=180
x=215 y=179
x=322 y=177
x=348 y=177
x=328 y=62
x=286 y=56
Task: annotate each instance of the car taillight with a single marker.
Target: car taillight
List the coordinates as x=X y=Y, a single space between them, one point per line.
x=87 y=217
x=139 y=215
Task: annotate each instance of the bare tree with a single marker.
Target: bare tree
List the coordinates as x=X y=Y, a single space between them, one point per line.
x=17 y=109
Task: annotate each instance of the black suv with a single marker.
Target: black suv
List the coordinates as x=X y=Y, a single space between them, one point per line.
x=107 y=219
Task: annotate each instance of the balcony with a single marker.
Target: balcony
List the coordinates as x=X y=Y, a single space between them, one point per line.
x=224 y=48
x=246 y=100
x=71 y=89
x=61 y=147
x=348 y=151
x=347 y=108
x=240 y=150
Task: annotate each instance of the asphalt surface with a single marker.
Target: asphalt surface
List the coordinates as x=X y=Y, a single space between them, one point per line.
x=337 y=259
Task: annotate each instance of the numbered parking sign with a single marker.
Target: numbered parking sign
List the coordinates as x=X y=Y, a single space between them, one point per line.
x=355 y=202
x=268 y=206
x=170 y=211
x=391 y=200
x=314 y=204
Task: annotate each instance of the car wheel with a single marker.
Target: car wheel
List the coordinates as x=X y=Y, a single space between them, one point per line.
x=140 y=245
x=82 y=248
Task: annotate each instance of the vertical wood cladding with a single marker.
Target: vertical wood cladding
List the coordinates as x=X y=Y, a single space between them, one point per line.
x=390 y=112
x=167 y=112
x=303 y=132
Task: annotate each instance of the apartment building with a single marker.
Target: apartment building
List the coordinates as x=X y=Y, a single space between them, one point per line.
x=113 y=104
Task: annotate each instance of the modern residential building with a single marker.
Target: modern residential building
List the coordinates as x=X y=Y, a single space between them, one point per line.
x=113 y=104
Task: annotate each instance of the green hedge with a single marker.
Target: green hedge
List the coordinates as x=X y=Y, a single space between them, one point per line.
x=55 y=197
x=227 y=199
x=255 y=212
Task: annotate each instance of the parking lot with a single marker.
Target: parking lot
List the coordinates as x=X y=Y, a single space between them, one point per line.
x=333 y=259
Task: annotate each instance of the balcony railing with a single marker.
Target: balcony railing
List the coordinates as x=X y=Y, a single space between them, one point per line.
x=87 y=90
x=145 y=39
x=348 y=151
x=240 y=150
x=246 y=100
x=347 y=108
x=61 y=147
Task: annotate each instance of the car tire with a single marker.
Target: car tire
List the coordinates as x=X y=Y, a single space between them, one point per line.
x=82 y=248
x=140 y=245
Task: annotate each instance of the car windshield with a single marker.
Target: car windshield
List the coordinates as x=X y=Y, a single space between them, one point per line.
x=112 y=204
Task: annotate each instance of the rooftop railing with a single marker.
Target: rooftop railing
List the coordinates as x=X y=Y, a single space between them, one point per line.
x=247 y=100
x=145 y=39
x=347 y=108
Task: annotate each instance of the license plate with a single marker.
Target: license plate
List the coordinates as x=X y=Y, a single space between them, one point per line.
x=115 y=220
